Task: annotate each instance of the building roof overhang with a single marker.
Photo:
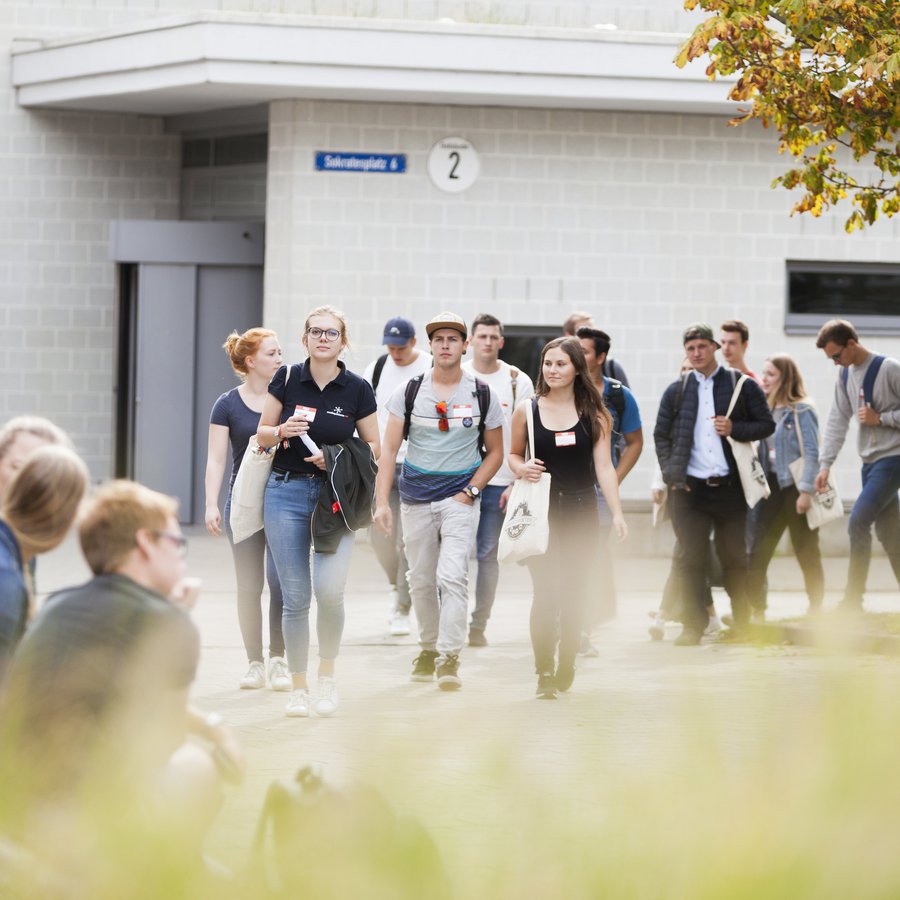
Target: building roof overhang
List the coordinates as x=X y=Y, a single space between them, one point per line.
x=208 y=61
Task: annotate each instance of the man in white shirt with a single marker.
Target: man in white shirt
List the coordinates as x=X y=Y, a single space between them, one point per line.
x=401 y=362
x=511 y=387
x=700 y=471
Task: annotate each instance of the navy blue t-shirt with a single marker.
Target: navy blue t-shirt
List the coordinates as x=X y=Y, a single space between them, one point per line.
x=241 y=421
x=333 y=412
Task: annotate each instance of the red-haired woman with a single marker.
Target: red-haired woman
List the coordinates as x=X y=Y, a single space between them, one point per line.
x=255 y=357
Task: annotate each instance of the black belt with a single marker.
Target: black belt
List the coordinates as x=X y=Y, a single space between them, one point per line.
x=714 y=481
x=291 y=476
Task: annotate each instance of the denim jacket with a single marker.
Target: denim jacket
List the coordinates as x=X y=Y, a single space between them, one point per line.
x=13 y=595
x=787 y=447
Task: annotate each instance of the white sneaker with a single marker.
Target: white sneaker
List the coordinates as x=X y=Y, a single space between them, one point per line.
x=399 y=623
x=298 y=704
x=327 y=699
x=715 y=625
x=279 y=674
x=255 y=677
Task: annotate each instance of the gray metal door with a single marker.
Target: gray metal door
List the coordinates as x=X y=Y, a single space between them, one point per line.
x=195 y=283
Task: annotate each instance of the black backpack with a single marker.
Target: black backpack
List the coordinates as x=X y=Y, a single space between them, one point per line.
x=482 y=391
x=376 y=372
x=617 y=400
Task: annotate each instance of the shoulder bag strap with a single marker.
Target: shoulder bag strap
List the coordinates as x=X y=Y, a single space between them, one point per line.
x=735 y=395
x=799 y=433
x=529 y=420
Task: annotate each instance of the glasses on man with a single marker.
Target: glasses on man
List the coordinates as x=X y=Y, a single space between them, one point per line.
x=836 y=357
x=443 y=422
x=330 y=334
x=179 y=540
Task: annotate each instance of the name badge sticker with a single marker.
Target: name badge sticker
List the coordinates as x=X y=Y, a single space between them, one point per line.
x=306 y=412
x=462 y=410
x=565 y=438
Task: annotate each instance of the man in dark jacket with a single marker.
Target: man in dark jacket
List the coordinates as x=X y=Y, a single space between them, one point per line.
x=698 y=467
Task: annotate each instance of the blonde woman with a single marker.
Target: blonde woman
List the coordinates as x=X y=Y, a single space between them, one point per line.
x=36 y=513
x=255 y=357
x=19 y=438
x=785 y=508
x=324 y=402
x=572 y=430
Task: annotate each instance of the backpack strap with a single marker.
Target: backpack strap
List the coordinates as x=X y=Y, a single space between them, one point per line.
x=514 y=380
x=868 y=380
x=412 y=390
x=483 y=393
x=617 y=400
x=376 y=372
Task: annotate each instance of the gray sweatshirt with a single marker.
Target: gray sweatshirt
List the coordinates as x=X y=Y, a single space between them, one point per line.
x=875 y=441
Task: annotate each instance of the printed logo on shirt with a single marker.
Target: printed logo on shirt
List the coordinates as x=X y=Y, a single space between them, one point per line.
x=339 y=412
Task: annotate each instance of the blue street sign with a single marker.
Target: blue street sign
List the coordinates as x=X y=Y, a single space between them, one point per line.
x=382 y=163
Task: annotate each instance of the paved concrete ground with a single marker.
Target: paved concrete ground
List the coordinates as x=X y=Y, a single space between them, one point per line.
x=625 y=708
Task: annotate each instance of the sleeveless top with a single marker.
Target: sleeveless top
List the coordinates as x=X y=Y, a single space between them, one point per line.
x=567 y=455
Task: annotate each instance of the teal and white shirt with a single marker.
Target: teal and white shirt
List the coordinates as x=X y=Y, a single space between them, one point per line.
x=439 y=463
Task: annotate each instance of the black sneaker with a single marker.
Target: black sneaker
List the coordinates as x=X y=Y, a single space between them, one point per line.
x=477 y=638
x=447 y=673
x=565 y=675
x=546 y=686
x=423 y=666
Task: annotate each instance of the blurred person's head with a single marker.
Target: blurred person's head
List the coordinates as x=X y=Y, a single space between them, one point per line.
x=782 y=381
x=595 y=344
x=487 y=339
x=400 y=339
x=128 y=529
x=255 y=349
x=734 y=338
x=43 y=497
x=19 y=437
x=575 y=321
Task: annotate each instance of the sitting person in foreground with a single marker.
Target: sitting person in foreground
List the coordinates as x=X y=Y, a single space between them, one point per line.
x=95 y=714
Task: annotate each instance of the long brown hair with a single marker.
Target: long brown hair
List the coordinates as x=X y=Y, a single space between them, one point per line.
x=588 y=400
x=790 y=389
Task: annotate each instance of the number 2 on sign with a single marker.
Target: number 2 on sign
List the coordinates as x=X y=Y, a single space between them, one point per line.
x=455 y=157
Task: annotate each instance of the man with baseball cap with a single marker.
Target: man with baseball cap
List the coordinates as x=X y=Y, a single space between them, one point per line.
x=699 y=470
x=446 y=414
x=402 y=361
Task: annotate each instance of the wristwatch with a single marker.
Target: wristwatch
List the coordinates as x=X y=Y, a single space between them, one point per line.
x=473 y=492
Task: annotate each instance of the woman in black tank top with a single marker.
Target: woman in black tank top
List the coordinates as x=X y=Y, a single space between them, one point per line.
x=572 y=442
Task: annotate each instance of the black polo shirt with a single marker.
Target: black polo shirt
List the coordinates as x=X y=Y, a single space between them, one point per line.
x=337 y=409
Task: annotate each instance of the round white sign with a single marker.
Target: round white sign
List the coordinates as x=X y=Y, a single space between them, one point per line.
x=453 y=164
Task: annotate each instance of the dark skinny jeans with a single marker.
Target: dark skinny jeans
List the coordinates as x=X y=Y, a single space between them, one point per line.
x=563 y=578
x=773 y=515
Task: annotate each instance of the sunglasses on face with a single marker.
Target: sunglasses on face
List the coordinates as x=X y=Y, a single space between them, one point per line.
x=443 y=422
x=836 y=357
x=330 y=334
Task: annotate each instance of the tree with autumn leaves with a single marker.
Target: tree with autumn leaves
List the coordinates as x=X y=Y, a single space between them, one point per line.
x=825 y=74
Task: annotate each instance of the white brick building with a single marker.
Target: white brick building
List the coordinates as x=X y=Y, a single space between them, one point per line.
x=608 y=181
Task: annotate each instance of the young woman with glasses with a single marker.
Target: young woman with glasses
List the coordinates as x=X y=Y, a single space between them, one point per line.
x=324 y=402
x=572 y=432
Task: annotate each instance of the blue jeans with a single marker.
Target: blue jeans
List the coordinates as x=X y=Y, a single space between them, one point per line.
x=290 y=501
x=487 y=538
x=876 y=504
x=253 y=564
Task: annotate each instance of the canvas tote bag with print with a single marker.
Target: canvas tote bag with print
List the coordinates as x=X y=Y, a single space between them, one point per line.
x=825 y=505
x=746 y=457
x=249 y=489
x=526 y=526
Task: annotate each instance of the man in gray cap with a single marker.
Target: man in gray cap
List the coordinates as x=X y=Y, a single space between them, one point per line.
x=402 y=361
x=454 y=425
x=698 y=467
